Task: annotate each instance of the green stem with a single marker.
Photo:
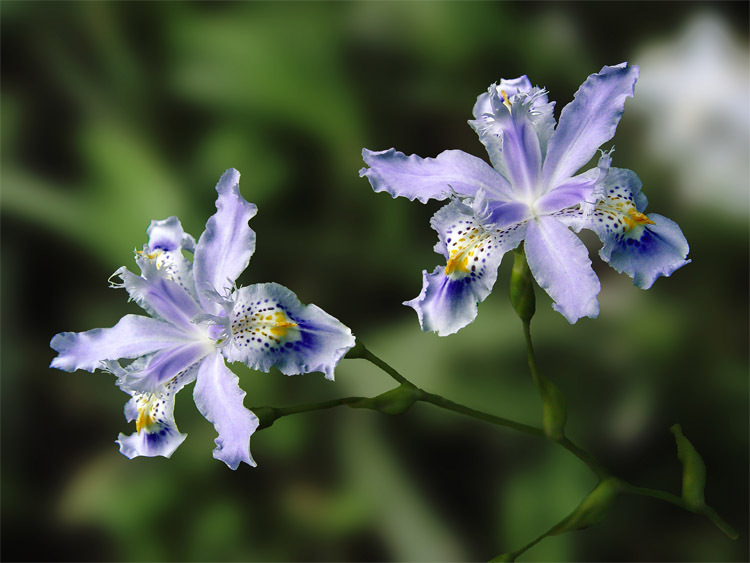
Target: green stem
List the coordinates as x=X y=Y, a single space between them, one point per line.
x=447 y=404
x=703 y=509
x=655 y=493
x=269 y=415
x=360 y=351
x=530 y=357
x=600 y=471
x=401 y=398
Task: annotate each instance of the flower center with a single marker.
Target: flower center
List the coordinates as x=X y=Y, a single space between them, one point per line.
x=264 y=322
x=464 y=251
x=625 y=211
x=150 y=408
x=506 y=102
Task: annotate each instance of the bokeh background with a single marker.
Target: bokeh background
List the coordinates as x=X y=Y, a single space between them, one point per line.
x=114 y=114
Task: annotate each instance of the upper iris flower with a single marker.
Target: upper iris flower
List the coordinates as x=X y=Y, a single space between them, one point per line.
x=532 y=192
x=198 y=320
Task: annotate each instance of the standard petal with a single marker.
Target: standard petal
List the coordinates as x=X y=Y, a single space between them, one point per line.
x=159 y=295
x=450 y=294
x=225 y=247
x=163 y=366
x=588 y=121
x=131 y=337
x=522 y=156
x=560 y=264
x=219 y=398
x=270 y=327
x=419 y=178
x=572 y=193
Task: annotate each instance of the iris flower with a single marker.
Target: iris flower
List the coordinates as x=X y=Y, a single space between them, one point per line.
x=533 y=193
x=199 y=320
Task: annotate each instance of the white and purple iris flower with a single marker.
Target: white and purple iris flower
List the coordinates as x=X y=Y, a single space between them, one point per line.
x=532 y=193
x=199 y=320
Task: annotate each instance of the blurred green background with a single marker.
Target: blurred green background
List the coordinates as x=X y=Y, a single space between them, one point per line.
x=114 y=114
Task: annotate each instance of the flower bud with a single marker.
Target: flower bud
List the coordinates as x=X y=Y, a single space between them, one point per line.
x=592 y=509
x=521 y=289
x=693 y=470
x=395 y=401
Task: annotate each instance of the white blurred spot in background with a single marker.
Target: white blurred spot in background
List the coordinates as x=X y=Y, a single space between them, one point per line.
x=695 y=96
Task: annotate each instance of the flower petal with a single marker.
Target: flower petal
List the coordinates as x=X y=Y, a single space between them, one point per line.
x=131 y=337
x=431 y=178
x=219 y=398
x=160 y=296
x=151 y=443
x=560 y=264
x=166 y=241
x=492 y=116
x=163 y=366
x=270 y=327
x=522 y=155
x=588 y=121
x=156 y=431
x=647 y=253
x=225 y=247
x=450 y=294
x=643 y=246
x=167 y=235
x=486 y=101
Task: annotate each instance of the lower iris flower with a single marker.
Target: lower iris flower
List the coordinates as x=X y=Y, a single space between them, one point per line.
x=534 y=194
x=198 y=320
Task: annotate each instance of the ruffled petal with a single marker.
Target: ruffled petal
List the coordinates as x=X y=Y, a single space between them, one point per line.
x=560 y=264
x=419 y=178
x=450 y=294
x=269 y=327
x=645 y=247
x=131 y=337
x=219 y=398
x=225 y=247
x=588 y=121
x=156 y=431
x=491 y=116
x=151 y=443
x=648 y=252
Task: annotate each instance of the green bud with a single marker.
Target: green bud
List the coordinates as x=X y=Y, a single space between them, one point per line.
x=592 y=509
x=521 y=289
x=554 y=411
x=503 y=557
x=693 y=470
x=395 y=401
